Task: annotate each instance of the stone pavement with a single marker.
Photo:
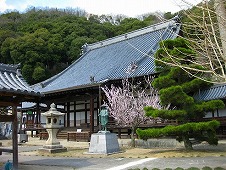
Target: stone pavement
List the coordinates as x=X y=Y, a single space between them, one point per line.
x=33 y=162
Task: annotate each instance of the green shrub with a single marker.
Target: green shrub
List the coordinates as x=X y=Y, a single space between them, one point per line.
x=206 y=168
x=219 y=168
x=193 y=168
x=179 y=168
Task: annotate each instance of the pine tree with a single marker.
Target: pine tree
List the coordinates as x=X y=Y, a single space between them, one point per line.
x=176 y=87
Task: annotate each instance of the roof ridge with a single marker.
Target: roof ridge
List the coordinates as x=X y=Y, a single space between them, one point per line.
x=87 y=47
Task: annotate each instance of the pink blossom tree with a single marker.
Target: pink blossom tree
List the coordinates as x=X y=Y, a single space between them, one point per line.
x=126 y=104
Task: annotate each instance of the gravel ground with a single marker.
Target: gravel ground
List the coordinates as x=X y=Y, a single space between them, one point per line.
x=77 y=157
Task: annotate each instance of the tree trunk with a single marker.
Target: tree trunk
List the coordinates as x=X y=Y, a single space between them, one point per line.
x=219 y=6
x=187 y=143
x=133 y=130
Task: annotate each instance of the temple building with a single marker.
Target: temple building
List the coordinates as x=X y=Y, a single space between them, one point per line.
x=78 y=88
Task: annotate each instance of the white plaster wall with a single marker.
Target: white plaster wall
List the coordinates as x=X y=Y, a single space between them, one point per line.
x=80 y=118
x=81 y=106
x=43 y=119
x=71 y=107
x=221 y=113
x=208 y=114
x=72 y=119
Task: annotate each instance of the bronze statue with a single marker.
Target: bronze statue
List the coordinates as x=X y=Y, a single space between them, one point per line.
x=103 y=117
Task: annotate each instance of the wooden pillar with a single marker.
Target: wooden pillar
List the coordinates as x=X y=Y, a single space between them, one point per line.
x=14 y=138
x=85 y=111
x=68 y=114
x=75 y=114
x=21 y=117
x=119 y=133
x=213 y=114
x=64 y=115
x=91 y=114
x=38 y=114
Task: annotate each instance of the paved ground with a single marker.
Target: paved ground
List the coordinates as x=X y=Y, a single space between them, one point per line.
x=62 y=163
x=32 y=162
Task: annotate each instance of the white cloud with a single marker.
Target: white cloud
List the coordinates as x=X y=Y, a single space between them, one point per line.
x=127 y=7
x=130 y=8
x=4 y=6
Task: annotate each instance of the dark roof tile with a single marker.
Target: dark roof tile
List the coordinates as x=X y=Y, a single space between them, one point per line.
x=11 y=81
x=214 y=92
x=111 y=58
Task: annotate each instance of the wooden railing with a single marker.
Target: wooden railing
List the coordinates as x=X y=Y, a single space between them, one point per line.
x=222 y=120
x=2 y=149
x=32 y=126
x=43 y=135
x=149 y=123
x=5 y=150
x=78 y=136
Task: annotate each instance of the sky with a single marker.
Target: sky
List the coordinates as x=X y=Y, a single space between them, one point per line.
x=131 y=8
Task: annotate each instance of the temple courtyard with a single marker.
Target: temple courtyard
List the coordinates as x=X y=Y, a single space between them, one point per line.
x=77 y=156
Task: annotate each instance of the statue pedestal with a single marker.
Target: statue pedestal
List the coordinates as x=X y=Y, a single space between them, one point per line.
x=104 y=142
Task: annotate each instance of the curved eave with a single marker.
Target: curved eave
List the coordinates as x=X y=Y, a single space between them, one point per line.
x=214 y=92
x=7 y=92
x=72 y=88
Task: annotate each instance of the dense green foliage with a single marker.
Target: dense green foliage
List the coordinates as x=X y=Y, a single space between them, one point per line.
x=45 y=41
x=177 y=88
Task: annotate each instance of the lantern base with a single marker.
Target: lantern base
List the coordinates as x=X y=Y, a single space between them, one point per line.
x=57 y=150
x=53 y=149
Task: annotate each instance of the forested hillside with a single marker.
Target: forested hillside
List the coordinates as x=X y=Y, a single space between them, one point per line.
x=45 y=41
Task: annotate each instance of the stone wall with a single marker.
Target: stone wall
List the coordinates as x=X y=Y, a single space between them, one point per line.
x=152 y=143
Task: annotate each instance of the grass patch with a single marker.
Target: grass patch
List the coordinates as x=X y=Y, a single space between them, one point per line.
x=193 y=168
x=1 y=164
x=206 y=168
x=179 y=168
x=219 y=168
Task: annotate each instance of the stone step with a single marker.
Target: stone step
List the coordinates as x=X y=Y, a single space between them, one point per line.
x=62 y=135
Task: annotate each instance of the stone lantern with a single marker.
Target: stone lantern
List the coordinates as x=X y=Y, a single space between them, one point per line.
x=52 y=126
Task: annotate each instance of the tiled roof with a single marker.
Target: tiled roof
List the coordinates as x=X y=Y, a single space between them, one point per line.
x=214 y=92
x=115 y=58
x=11 y=81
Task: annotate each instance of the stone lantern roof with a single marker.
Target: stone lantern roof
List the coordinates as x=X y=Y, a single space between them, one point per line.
x=52 y=111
